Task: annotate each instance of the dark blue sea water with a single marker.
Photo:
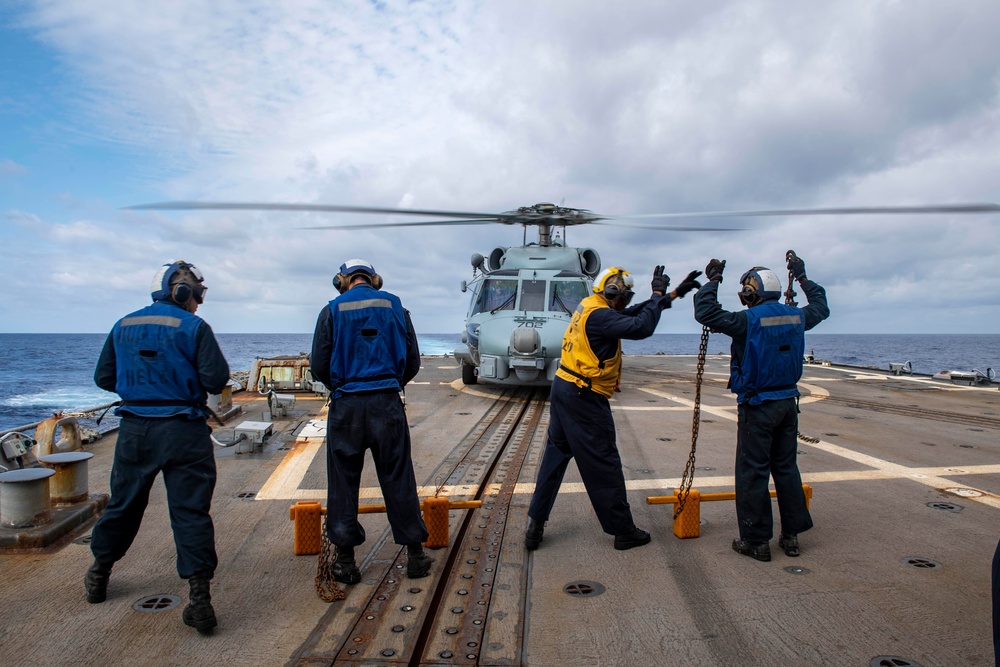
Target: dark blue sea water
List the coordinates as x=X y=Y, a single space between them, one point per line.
x=44 y=373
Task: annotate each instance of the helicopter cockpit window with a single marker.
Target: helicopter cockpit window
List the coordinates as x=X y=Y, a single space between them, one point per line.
x=567 y=295
x=496 y=295
x=532 y=294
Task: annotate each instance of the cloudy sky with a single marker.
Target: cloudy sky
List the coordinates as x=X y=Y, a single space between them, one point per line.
x=621 y=108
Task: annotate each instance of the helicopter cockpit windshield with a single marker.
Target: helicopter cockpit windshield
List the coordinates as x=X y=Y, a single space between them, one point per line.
x=567 y=295
x=496 y=294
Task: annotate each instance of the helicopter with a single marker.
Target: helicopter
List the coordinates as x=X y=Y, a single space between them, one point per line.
x=523 y=297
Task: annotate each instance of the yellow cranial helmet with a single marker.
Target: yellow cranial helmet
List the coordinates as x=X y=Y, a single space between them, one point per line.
x=614 y=282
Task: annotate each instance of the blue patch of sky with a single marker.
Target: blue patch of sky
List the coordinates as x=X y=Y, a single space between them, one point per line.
x=61 y=167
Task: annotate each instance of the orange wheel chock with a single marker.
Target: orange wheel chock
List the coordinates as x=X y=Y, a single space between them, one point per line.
x=308 y=525
x=688 y=523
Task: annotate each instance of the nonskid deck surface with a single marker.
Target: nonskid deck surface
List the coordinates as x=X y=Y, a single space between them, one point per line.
x=905 y=474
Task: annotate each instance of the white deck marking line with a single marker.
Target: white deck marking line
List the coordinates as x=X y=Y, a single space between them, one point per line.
x=667 y=484
x=283 y=484
x=892 y=469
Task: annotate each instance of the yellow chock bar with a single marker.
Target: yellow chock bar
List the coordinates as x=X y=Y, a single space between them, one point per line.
x=308 y=525
x=688 y=523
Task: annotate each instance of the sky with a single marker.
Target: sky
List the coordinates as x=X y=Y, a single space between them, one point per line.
x=621 y=108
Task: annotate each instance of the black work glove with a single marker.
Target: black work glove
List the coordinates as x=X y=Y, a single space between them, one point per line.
x=660 y=281
x=688 y=284
x=714 y=270
x=797 y=268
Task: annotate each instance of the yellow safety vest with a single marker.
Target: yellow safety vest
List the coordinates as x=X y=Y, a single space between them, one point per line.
x=579 y=364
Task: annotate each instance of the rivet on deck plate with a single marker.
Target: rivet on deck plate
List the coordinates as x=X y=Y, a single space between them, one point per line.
x=457 y=610
x=446 y=654
x=398 y=628
x=462 y=592
x=472 y=644
x=452 y=631
x=414 y=590
x=388 y=653
x=406 y=607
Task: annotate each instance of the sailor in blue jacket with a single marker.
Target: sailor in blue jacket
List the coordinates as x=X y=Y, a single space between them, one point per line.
x=163 y=361
x=365 y=351
x=766 y=363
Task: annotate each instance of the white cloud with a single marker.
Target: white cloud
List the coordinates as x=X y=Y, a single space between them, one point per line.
x=648 y=107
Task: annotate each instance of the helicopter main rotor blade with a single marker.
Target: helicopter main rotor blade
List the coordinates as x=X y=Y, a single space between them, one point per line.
x=665 y=228
x=847 y=210
x=316 y=208
x=422 y=223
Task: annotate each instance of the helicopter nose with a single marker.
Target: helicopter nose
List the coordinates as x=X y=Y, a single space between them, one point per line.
x=525 y=341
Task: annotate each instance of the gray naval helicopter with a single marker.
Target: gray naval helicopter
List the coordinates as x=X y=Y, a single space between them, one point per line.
x=522 y=297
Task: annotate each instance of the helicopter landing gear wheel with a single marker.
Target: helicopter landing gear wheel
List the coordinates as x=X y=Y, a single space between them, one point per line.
x=469 y=374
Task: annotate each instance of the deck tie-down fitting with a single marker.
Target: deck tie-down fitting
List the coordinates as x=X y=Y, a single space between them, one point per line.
x=688 y=521
x=308 y=524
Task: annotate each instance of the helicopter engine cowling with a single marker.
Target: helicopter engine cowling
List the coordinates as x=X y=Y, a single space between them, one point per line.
x=495 y=260
x=590 y=261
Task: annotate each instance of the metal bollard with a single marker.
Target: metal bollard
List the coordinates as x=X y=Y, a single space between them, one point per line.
x=24 y=497
x=69 y=484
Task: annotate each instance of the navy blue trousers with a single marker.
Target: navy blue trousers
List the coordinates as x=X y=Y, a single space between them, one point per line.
x=182 y=450
x=996 y=606
x=766 y=446
x=375 y=421
x=581 y=427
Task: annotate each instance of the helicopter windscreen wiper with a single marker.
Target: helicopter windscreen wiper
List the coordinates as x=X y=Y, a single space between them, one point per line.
x=506 y=303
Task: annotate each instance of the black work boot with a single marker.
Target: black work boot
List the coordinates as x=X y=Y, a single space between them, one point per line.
x=345 y=570
x=634 y=538
x=757 y=550
x=96 y=582
x=199 y=613
x=418 y=564
x=790 y=543
x=533 y=535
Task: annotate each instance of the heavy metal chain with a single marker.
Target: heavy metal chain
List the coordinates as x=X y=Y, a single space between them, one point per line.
x=688 y=478
x=790 y=293
x=324 y=572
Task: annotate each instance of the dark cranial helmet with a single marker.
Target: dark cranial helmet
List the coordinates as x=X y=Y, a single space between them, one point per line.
x=178 y=282
x=759 y=284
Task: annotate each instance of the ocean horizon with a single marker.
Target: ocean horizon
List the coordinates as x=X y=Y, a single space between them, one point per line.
x=45 y=373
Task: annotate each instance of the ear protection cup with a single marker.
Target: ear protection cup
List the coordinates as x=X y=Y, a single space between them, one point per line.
x=181 y=293
x=342 y=282
x=612 y=290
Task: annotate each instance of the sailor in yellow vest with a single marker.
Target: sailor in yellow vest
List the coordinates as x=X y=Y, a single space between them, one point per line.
x=580 y=422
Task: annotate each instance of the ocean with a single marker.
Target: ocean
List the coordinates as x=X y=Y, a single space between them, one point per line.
x=44 y=373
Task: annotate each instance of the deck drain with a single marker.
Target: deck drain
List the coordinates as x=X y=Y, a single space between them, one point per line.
x=83 y=540
x=961 y=491
x=947 y=507
x=920 y=563
x=795 y=569
x=247 y=495
x=832 y=435
x=463 y=414
x=154 y=603
x=892 y=661
x=706 y=468
x=665 y=439
x=583 y=589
